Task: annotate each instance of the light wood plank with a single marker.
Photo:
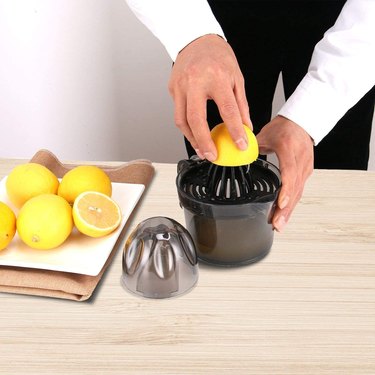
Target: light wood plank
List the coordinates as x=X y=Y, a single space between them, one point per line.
x=307 y=308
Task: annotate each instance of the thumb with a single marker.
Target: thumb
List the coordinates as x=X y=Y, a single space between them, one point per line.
x=263 y=144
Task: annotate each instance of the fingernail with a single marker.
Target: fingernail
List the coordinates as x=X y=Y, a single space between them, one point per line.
x=199 y=154
x=249 y=124
x=284 y=202
x=209 y=156
x=280 y=223
x=241 y=144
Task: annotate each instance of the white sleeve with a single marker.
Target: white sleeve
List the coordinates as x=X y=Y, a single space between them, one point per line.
x=176 y=23
x=341 y=71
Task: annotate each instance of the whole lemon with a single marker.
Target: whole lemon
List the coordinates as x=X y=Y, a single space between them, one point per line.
x=7 y=225
x=28 y=180
x=228 y=155
x=45 y=222
x=84 y=178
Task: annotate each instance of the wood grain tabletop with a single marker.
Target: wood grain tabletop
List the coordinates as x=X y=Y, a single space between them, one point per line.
x=307 y=308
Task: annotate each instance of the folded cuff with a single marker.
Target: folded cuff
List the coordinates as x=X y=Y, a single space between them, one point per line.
x=317 y=107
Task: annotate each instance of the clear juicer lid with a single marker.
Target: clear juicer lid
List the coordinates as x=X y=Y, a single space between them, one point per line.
x=159 y=259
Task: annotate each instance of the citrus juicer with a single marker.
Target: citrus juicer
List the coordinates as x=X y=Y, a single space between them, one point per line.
x=228 y=207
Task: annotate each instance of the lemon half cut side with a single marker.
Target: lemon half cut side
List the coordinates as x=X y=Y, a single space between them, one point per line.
x=228 y=155
x=96 y=214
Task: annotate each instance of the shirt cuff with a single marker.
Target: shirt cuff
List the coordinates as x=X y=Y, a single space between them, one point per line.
x=316 y=106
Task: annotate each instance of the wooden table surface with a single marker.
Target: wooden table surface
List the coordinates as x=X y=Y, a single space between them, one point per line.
x=307 y=308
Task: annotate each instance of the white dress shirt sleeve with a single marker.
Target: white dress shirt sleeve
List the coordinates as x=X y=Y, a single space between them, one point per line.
x=341 y=71
x=176 y=23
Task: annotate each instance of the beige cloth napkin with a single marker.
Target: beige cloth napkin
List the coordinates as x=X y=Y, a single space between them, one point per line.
x=64 y=284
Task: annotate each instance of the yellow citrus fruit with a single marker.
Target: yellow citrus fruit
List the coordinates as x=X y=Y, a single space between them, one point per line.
x=95 y=214
x=7 y=225
x=45 y=222
x=84 y=178
x=228 y=153
x=29 y=180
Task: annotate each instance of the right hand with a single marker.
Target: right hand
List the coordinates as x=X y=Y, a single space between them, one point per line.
x=205 y=69
x=294 y=149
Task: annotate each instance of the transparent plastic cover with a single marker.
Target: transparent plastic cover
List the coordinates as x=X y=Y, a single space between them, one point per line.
x=159 y=259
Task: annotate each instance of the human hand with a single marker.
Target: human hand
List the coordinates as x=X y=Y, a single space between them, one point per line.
x=294 y=149
x=207 y=69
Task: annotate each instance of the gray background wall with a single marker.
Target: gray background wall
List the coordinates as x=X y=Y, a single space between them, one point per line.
x=86 y=80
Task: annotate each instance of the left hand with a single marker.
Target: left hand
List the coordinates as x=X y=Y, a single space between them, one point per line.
x=294 y=149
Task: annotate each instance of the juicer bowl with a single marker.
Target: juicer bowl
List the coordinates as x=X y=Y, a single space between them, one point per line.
x=228 y=210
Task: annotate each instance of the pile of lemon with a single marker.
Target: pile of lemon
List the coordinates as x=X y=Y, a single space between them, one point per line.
x=49 y=209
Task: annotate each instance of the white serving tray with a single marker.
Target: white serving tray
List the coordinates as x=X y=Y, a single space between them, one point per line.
x=79 y=253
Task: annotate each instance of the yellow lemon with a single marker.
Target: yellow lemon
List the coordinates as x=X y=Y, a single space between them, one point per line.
x=45 y=222
x=84 y=178
x=29 y=180
x=7 y=225
x=228 y=153
x=95 y=214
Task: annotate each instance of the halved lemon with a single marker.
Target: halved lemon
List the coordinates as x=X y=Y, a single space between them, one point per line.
x=228 y=155
x=96 y=214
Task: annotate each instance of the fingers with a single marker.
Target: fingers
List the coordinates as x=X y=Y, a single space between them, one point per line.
x=231 y=115
x=243 y=106
x=196 y=115
x=181 y=122
x=294 y=149
x=284 y=211
x=191 y=118
x=294 y=174
x=180 y=119
x=207 y=69
x=287 y=196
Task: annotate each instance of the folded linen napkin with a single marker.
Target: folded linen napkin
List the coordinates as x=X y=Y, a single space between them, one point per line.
x=64 y=284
